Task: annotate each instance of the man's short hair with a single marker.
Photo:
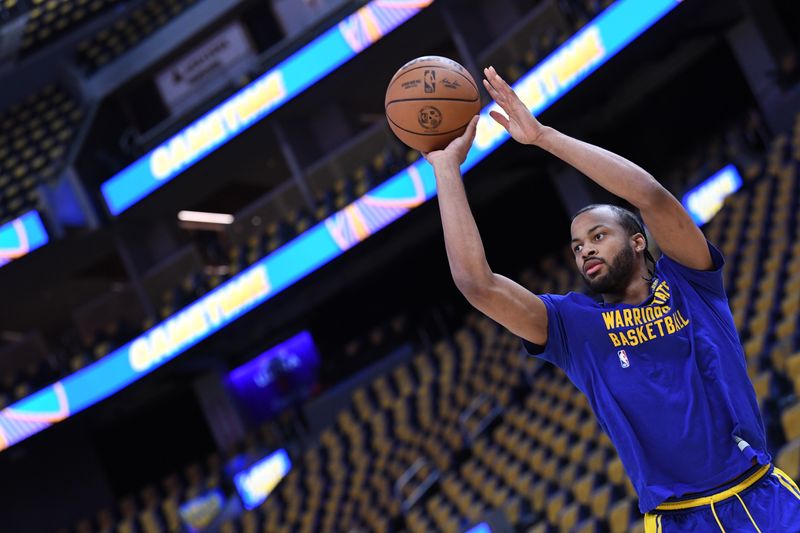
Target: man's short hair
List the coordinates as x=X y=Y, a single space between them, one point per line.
x=626 y=218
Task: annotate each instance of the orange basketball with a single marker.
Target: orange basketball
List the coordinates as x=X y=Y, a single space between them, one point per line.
x=430 y=102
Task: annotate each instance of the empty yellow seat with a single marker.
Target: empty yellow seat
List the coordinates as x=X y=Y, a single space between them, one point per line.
x=790 y=420
x=616 y=472
x=555 y=503
x=600 y=501
x=588 y=525
x=788 y=458
x=568 y=517
x=582 y=488
x=619 y=519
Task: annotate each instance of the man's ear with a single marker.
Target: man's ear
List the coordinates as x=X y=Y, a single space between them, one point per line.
x=639 y=242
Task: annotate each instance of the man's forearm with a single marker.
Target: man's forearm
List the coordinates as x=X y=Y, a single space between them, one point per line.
x=609 y=170
x=463 y=243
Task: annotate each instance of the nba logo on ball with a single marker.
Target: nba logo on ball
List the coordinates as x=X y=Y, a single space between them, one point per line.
x=623 y=359
x=430 y=81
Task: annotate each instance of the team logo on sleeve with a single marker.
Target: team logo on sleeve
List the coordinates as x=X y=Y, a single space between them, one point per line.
x=623 y=359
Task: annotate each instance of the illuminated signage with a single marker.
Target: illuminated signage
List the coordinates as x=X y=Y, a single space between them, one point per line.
x=257 y=99
x=180 y=79
x=200 y=512
x=704 y=200
x=198 y=321
x=609 y=32
x=21 y=236
x=277 y=378
x=257 y=482
x=135 y=359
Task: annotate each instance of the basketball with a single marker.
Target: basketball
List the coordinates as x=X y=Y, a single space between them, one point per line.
x=430 y=101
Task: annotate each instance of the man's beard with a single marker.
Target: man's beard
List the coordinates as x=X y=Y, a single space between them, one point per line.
x=617 y=276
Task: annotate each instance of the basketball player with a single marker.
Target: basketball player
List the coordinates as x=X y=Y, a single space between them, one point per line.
x=658 y=358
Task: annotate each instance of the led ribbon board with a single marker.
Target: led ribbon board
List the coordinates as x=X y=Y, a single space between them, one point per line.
x=595 y=44
x=704 y=200
x=21 y=236
x=257 y=100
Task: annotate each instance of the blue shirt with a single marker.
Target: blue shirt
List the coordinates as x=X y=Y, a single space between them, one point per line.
x=666 y=379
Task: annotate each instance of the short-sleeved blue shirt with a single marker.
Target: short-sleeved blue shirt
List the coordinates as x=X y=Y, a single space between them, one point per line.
x=666 y=379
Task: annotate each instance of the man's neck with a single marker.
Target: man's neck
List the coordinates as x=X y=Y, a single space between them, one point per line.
x=636 y=291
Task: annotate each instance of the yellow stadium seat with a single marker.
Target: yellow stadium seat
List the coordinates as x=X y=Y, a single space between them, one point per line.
x=540 y=494
x=577 y=452
x=582 y=488
x=638 y=526
x=615 y=471
x=550 y=469
x=790 y=420
x=555 y=503
x=619 y=518
x=792 y=366
x=597 y=460
x=600 y=501
x=560 y=444
x=568 y=475
x=788 y=458
x=572 y=420
x=568 y=517
x=762 y=385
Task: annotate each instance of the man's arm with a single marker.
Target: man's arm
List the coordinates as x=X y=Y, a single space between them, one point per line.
x=671 y=226
x=505 y=301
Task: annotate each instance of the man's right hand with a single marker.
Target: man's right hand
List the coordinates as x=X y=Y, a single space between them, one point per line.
x=456 y=152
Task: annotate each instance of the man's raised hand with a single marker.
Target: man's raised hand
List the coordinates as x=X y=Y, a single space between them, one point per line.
x=518 y=121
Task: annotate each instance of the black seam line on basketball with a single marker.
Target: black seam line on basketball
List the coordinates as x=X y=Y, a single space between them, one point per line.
x=428 y=134
x=453 y=71
x=429 y=100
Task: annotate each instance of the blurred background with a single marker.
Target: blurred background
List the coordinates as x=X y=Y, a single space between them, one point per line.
x=226 y=300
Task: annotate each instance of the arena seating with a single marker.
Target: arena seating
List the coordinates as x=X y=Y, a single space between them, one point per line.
x=542 y=457
x=382 y=165
x=127 y=31
x=329 y=195
x=49 y=19
x=411 y=414
x=35 y=135
x=10 y=9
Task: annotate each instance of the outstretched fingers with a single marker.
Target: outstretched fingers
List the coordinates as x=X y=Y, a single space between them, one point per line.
x=500 y=92
x=498 y=82
x=491 y=88
x=500 y=119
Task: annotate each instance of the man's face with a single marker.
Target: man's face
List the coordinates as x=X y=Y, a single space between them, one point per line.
x=603 y=251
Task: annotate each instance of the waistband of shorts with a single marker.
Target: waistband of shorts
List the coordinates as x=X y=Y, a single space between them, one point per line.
x=747 y=482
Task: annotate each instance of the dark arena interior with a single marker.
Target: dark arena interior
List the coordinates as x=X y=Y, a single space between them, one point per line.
x=227 y=302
